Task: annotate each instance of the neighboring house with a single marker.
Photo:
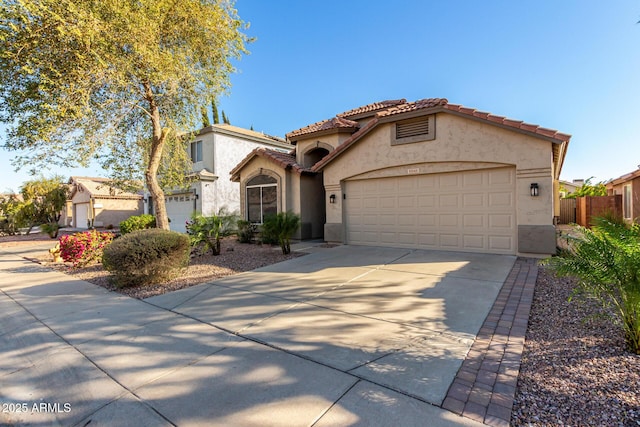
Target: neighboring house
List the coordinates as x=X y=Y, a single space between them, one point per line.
x=425 y=174
x=567 y=188
x=93 y=203
x=214 y=151
x=629 y=187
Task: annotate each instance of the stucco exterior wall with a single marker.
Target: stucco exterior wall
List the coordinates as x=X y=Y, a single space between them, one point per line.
x=635 y=195
x=459 y=144
x=221 y=153
x=329 y=142
x=114 y=211
x=81 y=197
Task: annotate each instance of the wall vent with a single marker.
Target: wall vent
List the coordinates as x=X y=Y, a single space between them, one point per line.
x=409 y=129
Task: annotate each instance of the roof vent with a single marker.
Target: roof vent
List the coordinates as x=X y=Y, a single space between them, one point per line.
x=415 y=130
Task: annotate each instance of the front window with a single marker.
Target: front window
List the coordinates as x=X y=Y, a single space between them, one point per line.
x=196 y=151
x=626 y=201
x=262 y=198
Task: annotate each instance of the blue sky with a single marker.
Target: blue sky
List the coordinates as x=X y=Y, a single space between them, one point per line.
x=569 y=65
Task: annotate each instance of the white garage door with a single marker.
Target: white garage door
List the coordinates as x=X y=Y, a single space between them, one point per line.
x=82 y=215
x=460 y=211
x=179 y=210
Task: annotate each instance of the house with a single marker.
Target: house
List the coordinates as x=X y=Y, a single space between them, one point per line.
x=628 y=186
x=427 y=174
x=569 y=187
x=214 y=151
x=94 y=203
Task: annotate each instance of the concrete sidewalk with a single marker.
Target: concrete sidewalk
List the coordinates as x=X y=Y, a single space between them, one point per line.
x=343 y=336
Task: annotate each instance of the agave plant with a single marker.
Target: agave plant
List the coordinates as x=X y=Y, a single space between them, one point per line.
x=606 y=260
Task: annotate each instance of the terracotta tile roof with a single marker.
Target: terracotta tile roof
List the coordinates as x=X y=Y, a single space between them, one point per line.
x=436 y=105
x=284 y=160
x=624 y=178
x=413 y=106
x=334 y=123
x=376 y=106
x=518 y=124
x=100 y=188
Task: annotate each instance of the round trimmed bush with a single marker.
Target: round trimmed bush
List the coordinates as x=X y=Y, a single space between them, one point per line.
x=146 y=256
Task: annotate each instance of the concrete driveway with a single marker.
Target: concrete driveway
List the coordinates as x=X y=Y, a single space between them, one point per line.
x=344 y=336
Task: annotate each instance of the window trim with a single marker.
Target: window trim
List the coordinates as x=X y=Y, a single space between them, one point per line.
x=246 y=193
x=196 y=151
x=627 y=201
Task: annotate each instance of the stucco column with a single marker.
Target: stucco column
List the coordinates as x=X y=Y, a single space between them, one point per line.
x=333 y=228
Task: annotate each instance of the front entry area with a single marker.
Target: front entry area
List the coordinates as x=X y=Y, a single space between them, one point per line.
x=471 y=211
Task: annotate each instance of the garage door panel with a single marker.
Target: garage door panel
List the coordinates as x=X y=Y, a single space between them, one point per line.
x=501 y=243
x=503 y=199
x=449 y=240
x=370 y=219
x=500 y=221
x=449 y=220
x=448 y=201
x=388 y=202
x=406 y=201
x=369 y=203
x=426 y=181
x=449 y=181
x=426 y=201
x=470 y=210
x=386 y=219
x=406 y=220
x=473 y=242
x=427 y=220
x=473 y=179
x=473 y=200
x=473 y=220
x=406 y=238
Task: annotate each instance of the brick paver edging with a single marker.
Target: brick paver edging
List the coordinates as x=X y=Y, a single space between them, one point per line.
x=485 y=385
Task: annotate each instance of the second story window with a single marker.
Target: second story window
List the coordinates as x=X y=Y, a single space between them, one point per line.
x=196 y=151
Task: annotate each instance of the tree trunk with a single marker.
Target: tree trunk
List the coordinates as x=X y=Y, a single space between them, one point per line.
x=155 y=156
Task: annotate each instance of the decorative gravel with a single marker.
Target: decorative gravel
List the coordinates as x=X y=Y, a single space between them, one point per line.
x=575 y=369
x=234 y=258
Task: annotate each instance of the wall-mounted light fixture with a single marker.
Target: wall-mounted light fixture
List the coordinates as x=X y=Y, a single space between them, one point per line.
x=535 y=191
x=332 y=198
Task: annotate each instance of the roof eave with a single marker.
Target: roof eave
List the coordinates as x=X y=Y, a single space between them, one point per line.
x=625 y=178
x=231 y=132
x=319 y=133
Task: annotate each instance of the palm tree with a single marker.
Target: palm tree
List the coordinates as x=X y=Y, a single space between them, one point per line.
x=606 y=260
x=283 y=225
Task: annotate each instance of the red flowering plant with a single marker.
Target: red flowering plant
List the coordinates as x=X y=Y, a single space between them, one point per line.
x=84 y=248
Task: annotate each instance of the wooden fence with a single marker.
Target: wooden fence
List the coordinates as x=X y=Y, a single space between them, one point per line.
x=567 y=211
x=589 y=207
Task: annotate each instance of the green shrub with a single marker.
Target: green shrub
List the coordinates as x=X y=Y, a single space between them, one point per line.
x=268 y=234
x=51 y=228
x=137 y=222
x=282 y=226
x=84 y=248
x=606 y=260
x=146 y=256
x=246 y=231
x=206 y=231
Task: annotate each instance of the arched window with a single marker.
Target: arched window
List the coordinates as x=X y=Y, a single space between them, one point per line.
x=262 y=198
